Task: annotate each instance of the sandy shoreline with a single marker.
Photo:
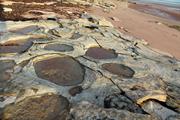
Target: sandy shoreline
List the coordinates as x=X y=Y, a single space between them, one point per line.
x=145 y=26
x=157 y=10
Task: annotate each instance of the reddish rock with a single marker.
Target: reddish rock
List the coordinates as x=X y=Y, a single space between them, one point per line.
x=100 y=53
x=63 y=71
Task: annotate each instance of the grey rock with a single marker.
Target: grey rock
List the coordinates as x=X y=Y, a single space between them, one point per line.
x=59 y=47
x=63 y=71
x=158 y=110
x=88 y=111
x=119 y=69
x=121 y=102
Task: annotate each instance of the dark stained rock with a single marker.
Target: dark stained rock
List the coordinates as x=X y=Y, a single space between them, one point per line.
x=63 y=71
x=121 y=102
x=4 y=66
x=59 y=47
x=75 y=90
x=15 y=46
x=119 y=69
x=46 y=107
x=26 y=30
x=100 y=53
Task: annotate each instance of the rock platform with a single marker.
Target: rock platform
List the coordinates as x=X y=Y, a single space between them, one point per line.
x=83 y=69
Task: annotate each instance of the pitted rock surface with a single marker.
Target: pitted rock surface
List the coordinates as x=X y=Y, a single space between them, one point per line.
x=88 y=111
x=100 y=63
x=45 y=107
x=60 y=70
x=121 y=102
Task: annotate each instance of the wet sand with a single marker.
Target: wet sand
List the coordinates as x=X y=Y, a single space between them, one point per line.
x=151 y=28
x=157 y=10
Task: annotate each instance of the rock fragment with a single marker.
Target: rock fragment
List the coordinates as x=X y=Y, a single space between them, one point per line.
x=115 y=19
x=75 y=90
x=105 y=23
x=173 y=98
x=15 y=46
x=6 y=9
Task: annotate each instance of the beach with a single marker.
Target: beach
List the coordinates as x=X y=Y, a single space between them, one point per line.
x=153 y=29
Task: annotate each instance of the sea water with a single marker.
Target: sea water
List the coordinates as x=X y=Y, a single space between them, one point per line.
x=170 y=3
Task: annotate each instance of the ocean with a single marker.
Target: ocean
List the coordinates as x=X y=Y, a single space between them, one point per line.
x=169 y=3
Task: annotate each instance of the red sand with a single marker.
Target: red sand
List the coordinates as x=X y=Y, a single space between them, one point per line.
x=145 y=26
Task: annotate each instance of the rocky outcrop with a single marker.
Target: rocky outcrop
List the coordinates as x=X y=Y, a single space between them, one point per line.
x=52 y=9
x=45 y=107
x=83 y=69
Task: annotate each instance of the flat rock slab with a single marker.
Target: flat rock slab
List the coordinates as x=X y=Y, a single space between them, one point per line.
x=63 y=71
x=15 y=46
x=59 y=47
x=88 y=111
x=26 y=30
x=100 y=53
x=45 y=107
x=119 y=69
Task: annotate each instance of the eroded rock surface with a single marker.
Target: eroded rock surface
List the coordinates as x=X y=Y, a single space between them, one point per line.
x=45 y=107
x=88 y=111
x=84 y=59
x=60 y=70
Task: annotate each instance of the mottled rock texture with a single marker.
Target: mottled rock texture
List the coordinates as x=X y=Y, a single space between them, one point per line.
x=45 y=107
x=83 y=69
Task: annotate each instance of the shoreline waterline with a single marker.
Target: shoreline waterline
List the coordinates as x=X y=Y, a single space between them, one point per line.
x=162 y=11
x=173 y=4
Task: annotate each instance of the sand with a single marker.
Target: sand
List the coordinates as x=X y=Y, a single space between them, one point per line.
x=145 y=26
